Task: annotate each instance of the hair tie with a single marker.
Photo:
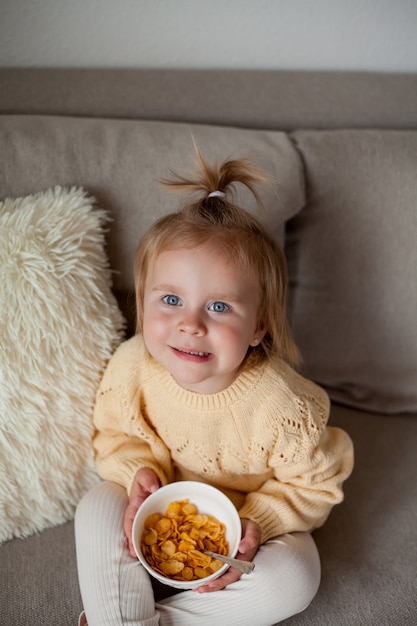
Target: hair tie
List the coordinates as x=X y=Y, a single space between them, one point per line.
x=216 y=194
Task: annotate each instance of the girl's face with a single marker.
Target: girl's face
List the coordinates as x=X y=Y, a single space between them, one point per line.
x=200 y=315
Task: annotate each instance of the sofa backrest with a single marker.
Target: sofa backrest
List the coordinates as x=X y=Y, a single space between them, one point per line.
x=268 y=99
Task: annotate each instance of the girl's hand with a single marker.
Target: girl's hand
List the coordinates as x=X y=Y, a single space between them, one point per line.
x=144 y=483
x=248 y=547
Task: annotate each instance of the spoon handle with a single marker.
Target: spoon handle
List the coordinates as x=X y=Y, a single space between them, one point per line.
x=243 y=566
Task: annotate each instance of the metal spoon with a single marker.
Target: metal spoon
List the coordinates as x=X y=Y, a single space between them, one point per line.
x=243 y=566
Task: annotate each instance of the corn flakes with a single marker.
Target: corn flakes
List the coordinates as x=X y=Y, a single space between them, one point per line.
x=174 y=544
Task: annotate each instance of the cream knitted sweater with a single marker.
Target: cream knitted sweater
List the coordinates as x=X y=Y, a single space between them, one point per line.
x=263 y=440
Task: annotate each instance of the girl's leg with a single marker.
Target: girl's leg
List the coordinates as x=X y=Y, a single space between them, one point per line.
x=284 y=582
x=115 y=588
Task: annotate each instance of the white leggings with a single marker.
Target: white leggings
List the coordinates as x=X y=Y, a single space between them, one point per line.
x=117 y=590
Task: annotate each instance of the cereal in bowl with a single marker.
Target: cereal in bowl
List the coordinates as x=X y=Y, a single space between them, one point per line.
x=174 y=544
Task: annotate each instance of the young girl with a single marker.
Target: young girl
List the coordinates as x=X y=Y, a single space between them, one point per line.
x=206 y=391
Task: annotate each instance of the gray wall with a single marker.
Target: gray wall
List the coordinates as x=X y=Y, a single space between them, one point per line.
x=376 y=35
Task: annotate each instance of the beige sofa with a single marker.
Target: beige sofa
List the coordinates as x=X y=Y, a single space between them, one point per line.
x=343 y=152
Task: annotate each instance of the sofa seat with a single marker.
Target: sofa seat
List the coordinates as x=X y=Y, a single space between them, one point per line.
x=368 y=540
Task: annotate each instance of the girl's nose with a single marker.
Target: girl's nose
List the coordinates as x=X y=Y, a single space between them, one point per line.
x=192 y=325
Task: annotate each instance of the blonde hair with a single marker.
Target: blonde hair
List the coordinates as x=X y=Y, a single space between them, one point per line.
x=236 y=233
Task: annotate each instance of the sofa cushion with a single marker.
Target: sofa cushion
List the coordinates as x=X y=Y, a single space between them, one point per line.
x=353 y=264
x=121 y=161
x=60 y=324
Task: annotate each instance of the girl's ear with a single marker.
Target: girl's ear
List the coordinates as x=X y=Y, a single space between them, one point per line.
x=259 y=335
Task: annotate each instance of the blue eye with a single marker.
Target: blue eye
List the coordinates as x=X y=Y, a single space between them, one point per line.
x=219 y=307
x=171 y=300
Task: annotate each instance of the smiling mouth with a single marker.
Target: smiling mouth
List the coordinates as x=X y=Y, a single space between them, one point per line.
x=192 y=356
x=192 y=352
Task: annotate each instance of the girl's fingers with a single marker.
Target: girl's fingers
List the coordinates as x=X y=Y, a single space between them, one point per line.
x=229 y=577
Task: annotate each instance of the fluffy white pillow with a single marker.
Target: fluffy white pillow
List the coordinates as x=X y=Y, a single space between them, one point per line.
x=60 y=324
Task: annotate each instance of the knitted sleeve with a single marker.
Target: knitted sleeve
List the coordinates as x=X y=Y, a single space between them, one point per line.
x=124 y=441
x=307 y=478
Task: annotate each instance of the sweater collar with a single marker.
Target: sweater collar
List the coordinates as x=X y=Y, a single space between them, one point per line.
x=247 y=380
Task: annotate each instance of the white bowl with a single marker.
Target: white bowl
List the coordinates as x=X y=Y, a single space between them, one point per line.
x=209 y=501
